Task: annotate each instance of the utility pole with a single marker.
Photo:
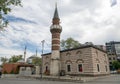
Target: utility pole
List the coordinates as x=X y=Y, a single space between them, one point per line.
x=43 y=41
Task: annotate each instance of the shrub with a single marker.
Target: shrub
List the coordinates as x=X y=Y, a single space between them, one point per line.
x=12 y=72
x=5 y=72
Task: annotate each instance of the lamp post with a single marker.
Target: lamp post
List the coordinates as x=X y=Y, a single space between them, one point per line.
x=42 y=57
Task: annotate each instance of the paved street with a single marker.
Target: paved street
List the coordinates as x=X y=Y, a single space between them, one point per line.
x=114 y=79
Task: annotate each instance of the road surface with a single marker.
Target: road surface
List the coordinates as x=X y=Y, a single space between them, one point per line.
x=114 y=79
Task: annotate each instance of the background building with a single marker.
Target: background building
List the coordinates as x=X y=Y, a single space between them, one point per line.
x=113 y=51
x=14 y=68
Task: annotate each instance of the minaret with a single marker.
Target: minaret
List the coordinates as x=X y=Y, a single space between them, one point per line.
x=55 y=30
x=25 y=52
x=36 y=52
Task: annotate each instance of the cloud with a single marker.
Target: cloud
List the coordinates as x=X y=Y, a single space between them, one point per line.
x=17 y=19
x=83 y=20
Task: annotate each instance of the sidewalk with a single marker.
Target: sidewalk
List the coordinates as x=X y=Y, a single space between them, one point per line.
x=55 y=78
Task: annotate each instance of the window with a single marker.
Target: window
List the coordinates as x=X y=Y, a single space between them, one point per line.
x=80 y=68
x=47 y=57
x=109 y=58
x=78 y=52
x=96 y=53
x=68 y=54
x=113 y=58
x=110 y=63
x=46 y=68
x=105 y=56
x=98 y=68
x=68 y=68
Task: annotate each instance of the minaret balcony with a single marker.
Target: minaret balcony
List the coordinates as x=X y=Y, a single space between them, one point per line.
x=56 y=28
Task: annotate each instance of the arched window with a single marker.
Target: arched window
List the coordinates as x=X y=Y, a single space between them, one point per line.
x=46 y=68
x=68 y=67
x=97 y=60
x=46 y=63
x=47 y=57
x=98 y=68
x=96 y=53
x=106 y=68
x=68 y=62
x=80 y=68
x=79 y=61
x=78 y=53
x=68 y=54
x=80 y=65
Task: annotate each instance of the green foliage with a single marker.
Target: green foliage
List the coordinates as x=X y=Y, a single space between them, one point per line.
x=15 y=58
x=116 y=64
x=17 y=71
x=36 y=61
x=3 y=60
x=5 y=8
x=69 y=43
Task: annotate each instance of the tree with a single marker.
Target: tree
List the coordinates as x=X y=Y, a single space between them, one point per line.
x=3 y=60
x=116 y=64
x=36 y=61
x=5 y=8
x=15 y=58
x=69 y=43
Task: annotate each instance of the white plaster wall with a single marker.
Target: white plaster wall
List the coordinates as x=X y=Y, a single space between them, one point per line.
x=54 y=66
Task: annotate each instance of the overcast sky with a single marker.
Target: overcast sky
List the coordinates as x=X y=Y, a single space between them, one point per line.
x=84 y=20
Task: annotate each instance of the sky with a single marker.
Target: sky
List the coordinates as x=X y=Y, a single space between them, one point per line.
x=84 y=20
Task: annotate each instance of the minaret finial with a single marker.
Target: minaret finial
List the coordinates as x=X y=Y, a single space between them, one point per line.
x=56 y=4
x=56 y=11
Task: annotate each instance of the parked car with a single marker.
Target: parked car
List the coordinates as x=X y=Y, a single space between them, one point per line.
x=113 y=72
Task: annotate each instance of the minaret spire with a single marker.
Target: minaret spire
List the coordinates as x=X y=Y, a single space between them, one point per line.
x=56 y=19
x=56 y=12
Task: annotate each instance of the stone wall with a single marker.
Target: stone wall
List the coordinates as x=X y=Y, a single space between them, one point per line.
x=25 y=71
x=100 y=58
x=76 y=57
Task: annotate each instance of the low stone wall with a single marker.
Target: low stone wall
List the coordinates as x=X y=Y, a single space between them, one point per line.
x=55 y=78
x=9 y=75
x=118 y=71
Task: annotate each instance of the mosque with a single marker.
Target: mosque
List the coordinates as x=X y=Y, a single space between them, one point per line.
x=85 y=60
